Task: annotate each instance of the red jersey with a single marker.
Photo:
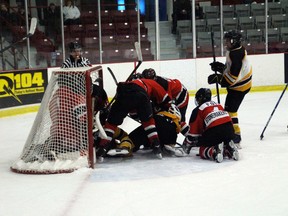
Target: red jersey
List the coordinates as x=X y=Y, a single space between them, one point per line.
x=175 y=89
x=208 y=115
x=155 y=91
x=178 y=92
x=68 y=113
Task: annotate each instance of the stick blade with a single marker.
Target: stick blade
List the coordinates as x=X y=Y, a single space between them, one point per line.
x=138 y=51
x=33 y=26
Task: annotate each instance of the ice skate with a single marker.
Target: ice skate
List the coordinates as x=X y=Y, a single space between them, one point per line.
x=173 y=151
x=231 y=150
x=218 y=154
x=237 y=140
x=157 y=151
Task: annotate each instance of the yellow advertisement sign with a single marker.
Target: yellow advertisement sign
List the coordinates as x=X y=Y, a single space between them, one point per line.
x=15 y=85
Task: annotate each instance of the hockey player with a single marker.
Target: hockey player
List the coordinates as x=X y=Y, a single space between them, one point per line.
x=235 y=75
x=121 y=143
x=135 y=95
x=211 y=129
x=75 y=59
x=174 y=87
x=177 y=92
x=168 y=126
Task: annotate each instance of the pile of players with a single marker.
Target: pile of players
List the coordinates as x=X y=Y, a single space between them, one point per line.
x=160 y=105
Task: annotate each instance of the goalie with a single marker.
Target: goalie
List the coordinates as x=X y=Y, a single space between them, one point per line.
x=235 y=75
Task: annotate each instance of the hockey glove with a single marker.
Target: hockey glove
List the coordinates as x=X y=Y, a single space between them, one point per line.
x=214 y=78
x=188 y=143
x=217 y=66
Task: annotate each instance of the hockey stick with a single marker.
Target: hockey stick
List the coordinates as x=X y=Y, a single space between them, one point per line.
x=262 y=134
x=214 y=60
x=30 y=33
x=99 y=126
x=140 y=59
x=113 y=76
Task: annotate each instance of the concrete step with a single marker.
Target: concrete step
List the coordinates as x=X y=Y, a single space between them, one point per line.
x=161 y=24
x=165 y=44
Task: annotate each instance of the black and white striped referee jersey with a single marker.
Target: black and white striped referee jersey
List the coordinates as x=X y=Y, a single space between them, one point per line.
x=71 y=63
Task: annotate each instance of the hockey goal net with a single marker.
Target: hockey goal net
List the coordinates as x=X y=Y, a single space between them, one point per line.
x=61 y=139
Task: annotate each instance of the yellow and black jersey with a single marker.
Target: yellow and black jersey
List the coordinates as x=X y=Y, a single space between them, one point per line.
x=173 y=118
x=238 y=73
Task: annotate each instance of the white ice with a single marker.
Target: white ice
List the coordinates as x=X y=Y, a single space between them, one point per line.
x=255 y=185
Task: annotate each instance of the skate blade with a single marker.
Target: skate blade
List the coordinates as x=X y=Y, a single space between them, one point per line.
x=178 y=152
x=159 y=156
x=236 y=155
x=238 y=146
x=113 y=152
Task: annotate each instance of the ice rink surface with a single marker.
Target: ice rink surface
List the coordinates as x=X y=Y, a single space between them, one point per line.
x=255 y=185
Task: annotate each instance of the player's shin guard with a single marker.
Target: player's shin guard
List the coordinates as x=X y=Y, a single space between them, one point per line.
x=126 y=144
x=235 y=121
x=151 y=131
x=184 y=128
x=206 y=152
x=212 y=153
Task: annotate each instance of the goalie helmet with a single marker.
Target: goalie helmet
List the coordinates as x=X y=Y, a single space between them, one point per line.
x=235 y=38
x=202 y=95
x=74 y=45
x=149 y=73
x=175 y=111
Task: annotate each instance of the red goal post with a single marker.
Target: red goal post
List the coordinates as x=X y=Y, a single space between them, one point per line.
x=61 y=138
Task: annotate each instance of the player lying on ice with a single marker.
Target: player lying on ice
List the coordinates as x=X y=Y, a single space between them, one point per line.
x=211 y=129
x=168 y=128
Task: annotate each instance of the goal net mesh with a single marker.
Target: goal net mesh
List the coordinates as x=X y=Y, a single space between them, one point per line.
x=61 y=138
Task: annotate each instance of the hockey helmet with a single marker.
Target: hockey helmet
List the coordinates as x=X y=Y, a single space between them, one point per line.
x=235 y=38
x=202 y=95
x=149 y=73
x=74 y=45
x=175 y=111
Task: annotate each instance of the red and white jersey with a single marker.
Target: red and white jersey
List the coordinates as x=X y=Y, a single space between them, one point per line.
x=208 y=115
x=178 y=92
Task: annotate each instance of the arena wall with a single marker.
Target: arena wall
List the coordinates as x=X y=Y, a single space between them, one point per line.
x=268 y=74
